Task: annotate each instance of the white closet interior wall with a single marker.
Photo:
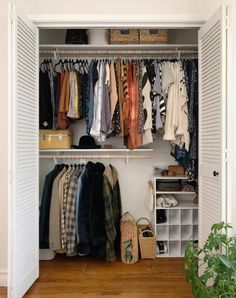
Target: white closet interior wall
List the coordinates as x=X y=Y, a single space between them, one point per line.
x=133 y=176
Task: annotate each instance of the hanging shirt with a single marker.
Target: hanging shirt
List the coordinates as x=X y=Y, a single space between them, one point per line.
x=54 y=219
x=45 y=105
x=147 y=107
x=70 y=214
x=98 y=93
x=62 y=120
x=106 y=109
x=63 y=210
x=159 y=98
x=113 y=89
x=73 y=111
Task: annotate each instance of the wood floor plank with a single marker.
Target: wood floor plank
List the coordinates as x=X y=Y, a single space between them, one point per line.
x=3 y=292
x=87 y=278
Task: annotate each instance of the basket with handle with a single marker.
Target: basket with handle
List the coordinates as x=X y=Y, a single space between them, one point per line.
x=147 y=239
x=129 y=239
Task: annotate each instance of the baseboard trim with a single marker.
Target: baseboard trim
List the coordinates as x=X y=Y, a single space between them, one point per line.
x=3 y=278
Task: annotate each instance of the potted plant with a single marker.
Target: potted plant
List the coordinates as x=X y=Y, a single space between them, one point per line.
x=211 y=270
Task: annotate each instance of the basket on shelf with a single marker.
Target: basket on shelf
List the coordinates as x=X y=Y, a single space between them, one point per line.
x=177 y=169
x=129 y=239
x=124 y=36
x=153 y=36
x=147 y=239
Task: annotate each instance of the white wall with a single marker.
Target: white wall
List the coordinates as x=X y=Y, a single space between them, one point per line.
x=3 y=146
x=122 y=6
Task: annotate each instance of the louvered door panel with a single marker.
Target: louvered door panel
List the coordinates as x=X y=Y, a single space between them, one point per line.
x=25 y=202
x=212 y=101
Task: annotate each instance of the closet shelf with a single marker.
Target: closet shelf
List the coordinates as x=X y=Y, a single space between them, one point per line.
x=184 y=204
x=125 y=154
x=182 y=177
x=95 y=150
x=176 y=192
x=126 y=50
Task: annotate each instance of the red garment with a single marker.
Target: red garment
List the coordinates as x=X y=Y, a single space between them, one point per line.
x=134 y=139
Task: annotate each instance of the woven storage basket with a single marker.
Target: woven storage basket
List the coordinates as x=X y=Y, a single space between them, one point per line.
x=153 y=36
x=124 y=36
x=147 y=244
x=129 y=239
x=177 y=169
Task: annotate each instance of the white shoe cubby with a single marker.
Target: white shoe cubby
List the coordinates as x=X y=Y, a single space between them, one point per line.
x=181 y=225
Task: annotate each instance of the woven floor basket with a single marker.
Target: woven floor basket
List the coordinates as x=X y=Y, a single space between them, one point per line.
x=129 y=239
x=147 y=244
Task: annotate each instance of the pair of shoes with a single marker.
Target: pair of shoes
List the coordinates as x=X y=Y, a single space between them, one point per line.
x=161 y=248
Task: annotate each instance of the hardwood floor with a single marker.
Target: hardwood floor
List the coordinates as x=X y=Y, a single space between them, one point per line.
x=3 y=292
x=82 y=277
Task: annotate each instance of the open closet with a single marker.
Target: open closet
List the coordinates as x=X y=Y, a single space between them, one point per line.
x=135 y=163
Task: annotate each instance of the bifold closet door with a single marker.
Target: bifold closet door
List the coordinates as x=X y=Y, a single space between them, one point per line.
x=24 y=267
x=212 y=118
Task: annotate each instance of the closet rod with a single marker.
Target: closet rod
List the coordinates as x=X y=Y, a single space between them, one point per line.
x=96 y=156
x=125 y=53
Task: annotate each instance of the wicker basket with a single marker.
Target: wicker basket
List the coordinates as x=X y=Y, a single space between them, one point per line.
x=177 y=169
x=124 y=36
x=129 y=239
x=153 y=36
x=147 y=244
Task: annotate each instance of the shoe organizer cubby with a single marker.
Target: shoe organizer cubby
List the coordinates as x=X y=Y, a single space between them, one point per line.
x=174 y=216
x=162 y=232
x=164 y=253
x=195 y=232
x=183 y=246
x=159 y=215
x=186 y=216
x=195 y=216
x=186 y=233
x=174 y=232
x=175 y=248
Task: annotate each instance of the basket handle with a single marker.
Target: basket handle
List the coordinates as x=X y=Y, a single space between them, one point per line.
x=144 y=218
x=148 y=232
x=127 y=216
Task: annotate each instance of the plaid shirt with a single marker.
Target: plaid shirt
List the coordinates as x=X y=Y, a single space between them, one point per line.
x=70 y=213
x=65 y=193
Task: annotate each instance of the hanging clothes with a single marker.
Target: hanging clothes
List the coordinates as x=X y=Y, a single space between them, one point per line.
x=74 y=210
x=54 y=217
x=113 y=212
x=45 y=105
x=147 y=107
x=62 y=120
x=45 y=207
x=112 y=99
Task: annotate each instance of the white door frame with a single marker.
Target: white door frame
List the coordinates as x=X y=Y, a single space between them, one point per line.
x=111 y=20
x=118 y=20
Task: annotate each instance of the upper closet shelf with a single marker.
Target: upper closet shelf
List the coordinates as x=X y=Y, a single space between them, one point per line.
x=138 y=49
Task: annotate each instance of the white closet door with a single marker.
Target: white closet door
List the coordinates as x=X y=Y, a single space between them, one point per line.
x=212 y=135
x=24 y=145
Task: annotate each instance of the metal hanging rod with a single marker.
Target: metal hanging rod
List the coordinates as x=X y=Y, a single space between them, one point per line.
x=122 y=54
x=117 y=50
